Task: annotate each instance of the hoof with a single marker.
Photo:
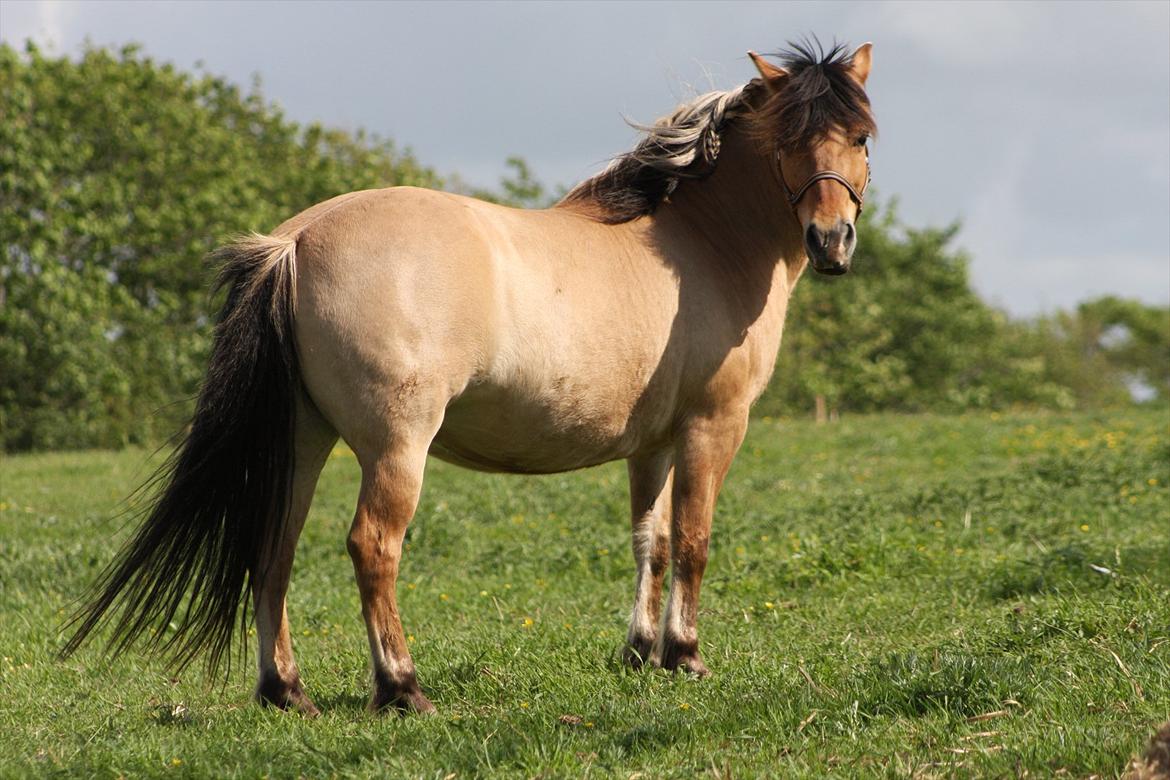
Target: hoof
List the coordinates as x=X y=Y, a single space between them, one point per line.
x=403 y=696
x=636 y=653
x=285 y=695
x=679 y=656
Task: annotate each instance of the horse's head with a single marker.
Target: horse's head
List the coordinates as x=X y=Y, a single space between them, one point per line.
x=815 y=119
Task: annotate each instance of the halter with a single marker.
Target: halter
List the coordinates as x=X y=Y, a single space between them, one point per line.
x=858 y=197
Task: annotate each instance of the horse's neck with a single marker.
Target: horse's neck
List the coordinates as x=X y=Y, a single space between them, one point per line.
x=738 y=222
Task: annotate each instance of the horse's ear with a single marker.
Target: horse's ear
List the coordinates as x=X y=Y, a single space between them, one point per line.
x=860 y=62
x=769 y=72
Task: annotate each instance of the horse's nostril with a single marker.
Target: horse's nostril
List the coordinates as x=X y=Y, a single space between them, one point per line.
x=813 y=237
x=850 y=233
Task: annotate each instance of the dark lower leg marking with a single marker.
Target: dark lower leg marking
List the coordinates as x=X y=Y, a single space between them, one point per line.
x=402 y=694
x=285 y=694
x=682 y=655
x=636 y=652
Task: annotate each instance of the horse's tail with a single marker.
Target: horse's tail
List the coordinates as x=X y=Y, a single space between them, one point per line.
x=223 y=495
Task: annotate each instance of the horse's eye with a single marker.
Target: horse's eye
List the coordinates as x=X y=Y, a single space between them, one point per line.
x=863 y=140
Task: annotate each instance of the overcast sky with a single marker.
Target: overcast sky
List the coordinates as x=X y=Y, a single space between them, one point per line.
x=1043 y=127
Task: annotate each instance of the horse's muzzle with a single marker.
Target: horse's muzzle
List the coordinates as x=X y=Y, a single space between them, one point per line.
x=829 y=251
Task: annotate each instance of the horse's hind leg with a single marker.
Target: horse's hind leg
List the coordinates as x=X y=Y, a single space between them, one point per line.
x=279 y=680
x=392 y=475
x=650 y=481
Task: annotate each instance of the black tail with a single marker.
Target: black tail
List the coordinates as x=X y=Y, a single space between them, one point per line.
x=184 y=581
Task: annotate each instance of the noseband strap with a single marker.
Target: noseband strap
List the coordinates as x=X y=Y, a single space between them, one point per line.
x=858 y=197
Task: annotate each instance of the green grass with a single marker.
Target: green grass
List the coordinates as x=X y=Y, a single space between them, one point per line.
x=887 y=596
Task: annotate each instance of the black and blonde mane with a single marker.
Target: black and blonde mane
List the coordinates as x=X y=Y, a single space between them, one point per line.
x=819 y=94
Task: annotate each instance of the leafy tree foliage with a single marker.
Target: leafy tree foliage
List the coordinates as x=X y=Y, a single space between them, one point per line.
x=117 y=176
x=1107 y=350
x=905 y=331
x=1135 y=341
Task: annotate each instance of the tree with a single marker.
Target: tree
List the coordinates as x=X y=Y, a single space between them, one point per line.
x=1108 y=349
x=904 y=330
x=117 y=176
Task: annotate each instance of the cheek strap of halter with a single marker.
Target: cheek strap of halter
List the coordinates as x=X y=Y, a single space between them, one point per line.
x=858 y=197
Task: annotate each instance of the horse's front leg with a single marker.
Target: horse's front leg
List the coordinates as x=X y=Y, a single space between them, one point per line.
x=702 y=456
x=650 y=478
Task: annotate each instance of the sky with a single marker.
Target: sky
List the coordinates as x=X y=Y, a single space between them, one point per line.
x=1044 y=128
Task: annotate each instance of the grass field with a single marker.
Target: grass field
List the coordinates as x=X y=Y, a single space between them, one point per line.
x=887 y=596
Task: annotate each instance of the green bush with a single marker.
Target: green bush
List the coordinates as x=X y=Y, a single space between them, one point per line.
x=905 y=331
x=118 y=175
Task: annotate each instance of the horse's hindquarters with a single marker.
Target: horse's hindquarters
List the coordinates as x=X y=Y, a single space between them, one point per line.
x=394 y=316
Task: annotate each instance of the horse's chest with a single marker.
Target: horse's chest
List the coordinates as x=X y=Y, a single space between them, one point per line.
x=761 y=361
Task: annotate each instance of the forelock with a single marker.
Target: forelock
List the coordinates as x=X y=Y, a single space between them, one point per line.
x=819 y=95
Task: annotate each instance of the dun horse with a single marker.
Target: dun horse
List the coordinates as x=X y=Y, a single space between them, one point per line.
x=638 y=318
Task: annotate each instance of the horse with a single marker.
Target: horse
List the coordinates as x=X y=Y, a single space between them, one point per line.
x=638 y=318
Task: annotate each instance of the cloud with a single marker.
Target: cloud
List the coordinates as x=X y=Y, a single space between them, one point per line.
x=45 y=22
x=1070 y=39
x=968 y=34
x=1039 y=283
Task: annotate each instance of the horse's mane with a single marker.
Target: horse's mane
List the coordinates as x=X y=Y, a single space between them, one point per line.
x=818 y=94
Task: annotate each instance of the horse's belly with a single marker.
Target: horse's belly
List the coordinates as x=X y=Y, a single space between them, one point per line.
x=491 y=430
